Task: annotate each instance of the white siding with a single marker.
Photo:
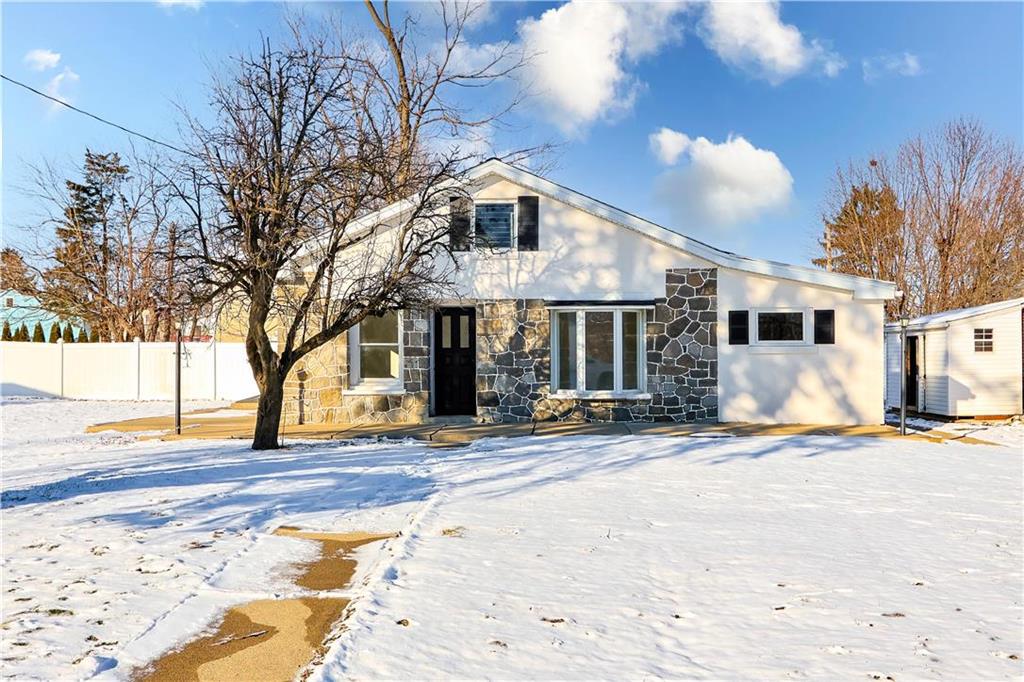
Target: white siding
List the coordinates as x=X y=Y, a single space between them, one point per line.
x=893 y=367
x=811 y=384
x=986 y=383
x=935 y=370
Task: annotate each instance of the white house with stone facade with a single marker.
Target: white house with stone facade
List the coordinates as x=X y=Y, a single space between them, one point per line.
x=567 y=308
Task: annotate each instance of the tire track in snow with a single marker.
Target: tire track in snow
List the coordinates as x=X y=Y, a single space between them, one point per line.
x=365 y=604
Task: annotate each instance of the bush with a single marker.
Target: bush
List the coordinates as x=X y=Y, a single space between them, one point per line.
x=94 y=335
x=54 y=333
x=37 y=333
x=22 y=333
x=83 y=337
x=6 y=334
x=69 y=334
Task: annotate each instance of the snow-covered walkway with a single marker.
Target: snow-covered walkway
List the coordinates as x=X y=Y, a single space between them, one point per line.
x=595 y=557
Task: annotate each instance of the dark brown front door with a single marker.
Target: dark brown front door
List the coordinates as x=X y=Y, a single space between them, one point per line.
x=455 y=361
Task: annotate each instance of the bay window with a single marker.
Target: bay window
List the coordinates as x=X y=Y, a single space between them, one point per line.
x=598 y=351
x=375 y=352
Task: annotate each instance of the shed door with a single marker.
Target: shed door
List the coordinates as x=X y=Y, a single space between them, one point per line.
x=912 y=370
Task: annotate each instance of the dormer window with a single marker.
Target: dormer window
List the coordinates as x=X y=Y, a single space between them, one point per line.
x=494 y=224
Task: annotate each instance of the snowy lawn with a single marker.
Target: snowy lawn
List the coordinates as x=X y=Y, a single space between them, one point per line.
x=602 y=557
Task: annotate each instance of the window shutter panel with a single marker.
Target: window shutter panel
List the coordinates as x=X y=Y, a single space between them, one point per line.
x=824 y=326
x=529 y=225
x=459 y=224
x=739 y=327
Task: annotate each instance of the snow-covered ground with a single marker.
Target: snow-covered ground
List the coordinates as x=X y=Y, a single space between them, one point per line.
x=1003 y=432
x=590 y=557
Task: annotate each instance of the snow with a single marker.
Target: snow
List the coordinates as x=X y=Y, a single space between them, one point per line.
x=568 y=557
x=1009 y=433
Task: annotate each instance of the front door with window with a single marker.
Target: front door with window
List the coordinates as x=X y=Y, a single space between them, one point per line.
x=455 y=361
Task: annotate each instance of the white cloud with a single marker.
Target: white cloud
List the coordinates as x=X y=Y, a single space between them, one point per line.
x=41 y=60
x=190 y=4
x=668 y=145
x=905 y=64
x=581 y=53
x=721 y=184
x=751 y=36
x=59 y=85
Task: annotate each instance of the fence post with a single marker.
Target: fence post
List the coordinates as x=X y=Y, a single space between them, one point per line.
x=60 y=347
x=214 y=367
x=138 y=368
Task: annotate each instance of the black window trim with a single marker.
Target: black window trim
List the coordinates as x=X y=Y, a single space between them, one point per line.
x=736 y=339
x=822 y=335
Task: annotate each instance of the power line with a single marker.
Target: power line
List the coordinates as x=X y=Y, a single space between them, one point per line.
x=94 y=116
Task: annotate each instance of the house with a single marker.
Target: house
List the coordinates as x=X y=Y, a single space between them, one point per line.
x=960 y=363
x=576 y=310
x=17 y=309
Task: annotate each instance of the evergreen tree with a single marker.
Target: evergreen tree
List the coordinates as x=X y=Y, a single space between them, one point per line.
x=69 y=334
x=54 y=332
x=83 y=337
x=22 y=333
x=6 y=334
x=37 y=334
x=94 y=335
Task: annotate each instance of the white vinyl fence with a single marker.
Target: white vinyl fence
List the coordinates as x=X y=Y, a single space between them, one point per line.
x=125 y=371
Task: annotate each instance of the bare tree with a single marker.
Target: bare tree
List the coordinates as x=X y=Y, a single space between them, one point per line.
x=944 y=219
x=310 y=140
x=101 y=253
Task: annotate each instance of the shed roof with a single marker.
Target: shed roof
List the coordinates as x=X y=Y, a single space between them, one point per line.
x=947 y=316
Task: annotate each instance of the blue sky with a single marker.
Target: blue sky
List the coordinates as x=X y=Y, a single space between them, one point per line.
x=760 y=102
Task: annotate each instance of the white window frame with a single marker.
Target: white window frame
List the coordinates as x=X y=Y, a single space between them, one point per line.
x=360 y=385
x=581 y=353
x=515 y=226
x=807 y=333
x=990 y=340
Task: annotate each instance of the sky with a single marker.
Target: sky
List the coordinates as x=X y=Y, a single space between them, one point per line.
x=722 y=121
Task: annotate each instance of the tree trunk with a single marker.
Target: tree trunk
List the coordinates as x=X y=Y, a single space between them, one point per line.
x=268 y=413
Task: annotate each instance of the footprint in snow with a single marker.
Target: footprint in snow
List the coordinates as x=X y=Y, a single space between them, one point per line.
x=838 y=650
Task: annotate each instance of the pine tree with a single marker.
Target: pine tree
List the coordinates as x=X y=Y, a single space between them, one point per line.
x=54 y=332
x=6 y=334
x=69 y=334
x=94 y=335
x=22 y=333
x=83 y=337
x=37 y=334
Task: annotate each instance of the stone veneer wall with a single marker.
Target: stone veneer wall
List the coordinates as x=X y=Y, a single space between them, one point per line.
x=514 y=360
x=315 y=392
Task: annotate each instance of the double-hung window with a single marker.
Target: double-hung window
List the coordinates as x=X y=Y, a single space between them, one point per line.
x=983 y=340
x=597 y=351
x=494 y=224
x=375 y=353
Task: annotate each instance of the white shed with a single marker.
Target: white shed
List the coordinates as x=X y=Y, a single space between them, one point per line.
x=960 y=363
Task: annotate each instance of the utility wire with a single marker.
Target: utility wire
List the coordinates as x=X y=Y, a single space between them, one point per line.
x=90 y=115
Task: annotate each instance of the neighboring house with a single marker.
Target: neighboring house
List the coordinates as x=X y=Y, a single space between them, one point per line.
x=960 y=363
x=17 y=308
x=577 y=310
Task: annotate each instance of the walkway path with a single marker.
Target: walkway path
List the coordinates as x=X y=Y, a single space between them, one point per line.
x=238 y=421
